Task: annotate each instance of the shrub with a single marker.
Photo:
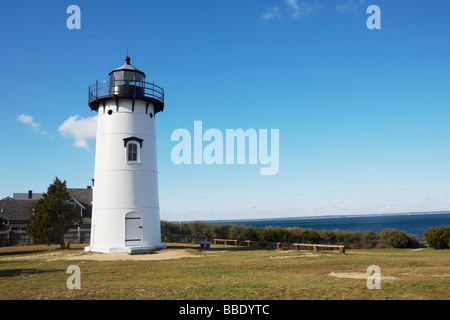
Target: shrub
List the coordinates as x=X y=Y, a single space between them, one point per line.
x=370 y=239
x=387 y=238
x=311 y=236
x=437 y=238
x=168 y=227
x=345 y=237
x=327 y=236
x=297 y=234
x=221 y=231
x=272 y=234
x=396 y=239
x=196 y=229
x=242 y=233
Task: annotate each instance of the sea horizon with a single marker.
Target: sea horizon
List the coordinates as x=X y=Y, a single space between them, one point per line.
x=412 y=223
x=367 y=215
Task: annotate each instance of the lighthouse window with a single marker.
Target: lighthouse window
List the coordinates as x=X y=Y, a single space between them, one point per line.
x=132 y=152
x=132 y=146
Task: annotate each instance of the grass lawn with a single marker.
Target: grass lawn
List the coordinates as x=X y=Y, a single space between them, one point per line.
x=227 y=272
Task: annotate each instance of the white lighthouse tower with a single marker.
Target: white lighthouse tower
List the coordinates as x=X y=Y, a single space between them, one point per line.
x=125 y=214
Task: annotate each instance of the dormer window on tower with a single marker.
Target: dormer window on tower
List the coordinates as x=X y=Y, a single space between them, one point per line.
x=133 y=148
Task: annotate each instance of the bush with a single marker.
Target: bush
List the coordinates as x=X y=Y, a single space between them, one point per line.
x=272 y=234
x=297 y=234
x=397 y=239
x=196 y=229
x=350 y=239
x=369 y=240
x=387 y=238
x=242 y=233
x=311 y=236
x=221 y=231
x=437 y=238
x=327 y=236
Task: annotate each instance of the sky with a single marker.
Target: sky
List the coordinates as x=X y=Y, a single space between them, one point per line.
x=363 y=114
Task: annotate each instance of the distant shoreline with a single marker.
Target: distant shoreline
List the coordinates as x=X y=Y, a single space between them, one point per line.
x=316 y=217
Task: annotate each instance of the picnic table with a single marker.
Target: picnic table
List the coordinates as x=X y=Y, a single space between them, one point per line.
x=204 y=244
x=249 y=243
x=317 y=246
x=225 y=241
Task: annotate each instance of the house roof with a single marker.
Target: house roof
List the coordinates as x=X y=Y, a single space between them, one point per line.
x=18 y=211
x=25 y=196
x=84 y=197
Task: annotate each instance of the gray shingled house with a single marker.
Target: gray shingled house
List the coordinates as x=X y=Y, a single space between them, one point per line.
x=17 y=210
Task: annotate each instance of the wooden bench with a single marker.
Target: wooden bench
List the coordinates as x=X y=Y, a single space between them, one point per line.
x=225 y=241
x=204 y=244
x=317 y=246
x=249 y=243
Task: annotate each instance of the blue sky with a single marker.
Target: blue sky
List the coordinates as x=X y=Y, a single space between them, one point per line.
x=363 y=115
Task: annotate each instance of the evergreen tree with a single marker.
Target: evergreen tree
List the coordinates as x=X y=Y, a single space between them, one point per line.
x=53 y=216
x=438 y=238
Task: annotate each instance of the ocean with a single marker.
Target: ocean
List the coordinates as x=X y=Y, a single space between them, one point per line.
x=412 y=224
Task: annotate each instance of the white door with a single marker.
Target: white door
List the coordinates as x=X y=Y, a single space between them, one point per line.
x=133 y=229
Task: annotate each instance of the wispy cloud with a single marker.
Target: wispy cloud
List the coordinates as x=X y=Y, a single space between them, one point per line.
x=80 y=129
x=23 y=118
x=28 y=120
x=350 y=7
x=303 y=9
x=293 y=9
x=272 y=13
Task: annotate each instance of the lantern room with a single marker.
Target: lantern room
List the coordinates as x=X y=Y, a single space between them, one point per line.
x=126 y=82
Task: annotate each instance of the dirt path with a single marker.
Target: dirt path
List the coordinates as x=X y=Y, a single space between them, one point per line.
x=26 y=253
x=356 y=275
x=157 y=255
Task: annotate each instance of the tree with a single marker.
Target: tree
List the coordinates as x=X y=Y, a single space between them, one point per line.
x=53 y=216
x=397 y=239
x=437 y=238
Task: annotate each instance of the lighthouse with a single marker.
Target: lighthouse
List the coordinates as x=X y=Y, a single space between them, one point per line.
x=125 y=208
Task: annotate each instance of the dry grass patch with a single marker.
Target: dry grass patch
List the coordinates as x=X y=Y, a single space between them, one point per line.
x=229 y=273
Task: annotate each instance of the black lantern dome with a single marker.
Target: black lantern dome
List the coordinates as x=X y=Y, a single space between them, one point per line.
x=126 y=82
x=127 y=70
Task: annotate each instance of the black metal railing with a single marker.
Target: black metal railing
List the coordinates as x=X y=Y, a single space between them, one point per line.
x=131 y=88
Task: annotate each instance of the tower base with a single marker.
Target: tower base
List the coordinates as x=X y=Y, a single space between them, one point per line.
x=130 y=250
